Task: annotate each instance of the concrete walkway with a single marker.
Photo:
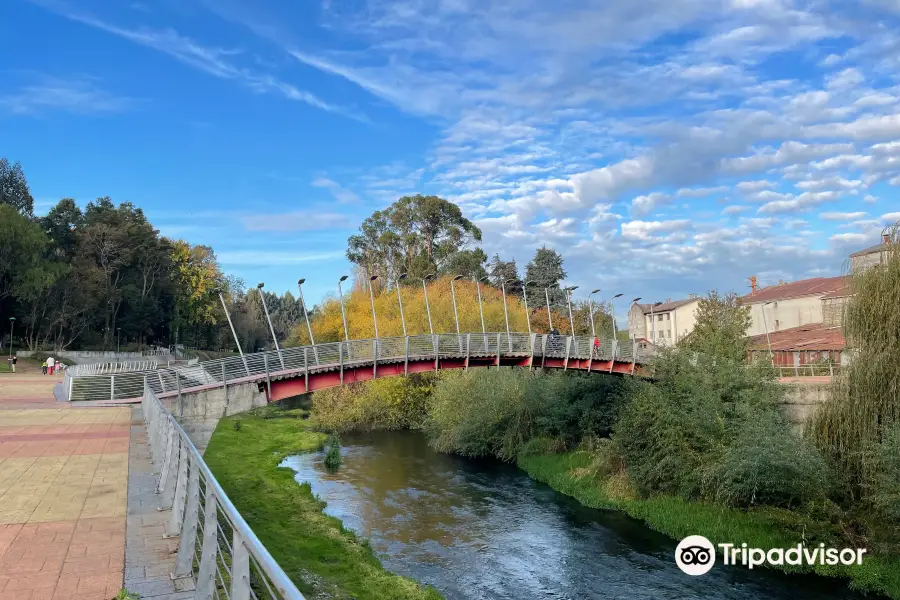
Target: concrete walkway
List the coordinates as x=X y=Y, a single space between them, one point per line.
x=63 y=490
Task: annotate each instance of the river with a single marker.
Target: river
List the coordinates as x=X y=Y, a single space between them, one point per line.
x=477 y=529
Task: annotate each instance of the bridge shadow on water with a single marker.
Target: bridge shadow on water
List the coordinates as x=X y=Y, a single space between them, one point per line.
x=479 y=529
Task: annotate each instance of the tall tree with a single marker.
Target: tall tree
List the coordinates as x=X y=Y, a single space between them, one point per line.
x=22 y=245
x=545 y=271
x=14 y=188
x=468 y=263
x=505 y=271
x=416 y=235
x=197 y=280
x=721 y=328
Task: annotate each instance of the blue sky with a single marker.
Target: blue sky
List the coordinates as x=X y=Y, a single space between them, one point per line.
x=664 y=147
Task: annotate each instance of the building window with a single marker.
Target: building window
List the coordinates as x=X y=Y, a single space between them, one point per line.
x=777 y=324
x=659 y=317
x=667 y=316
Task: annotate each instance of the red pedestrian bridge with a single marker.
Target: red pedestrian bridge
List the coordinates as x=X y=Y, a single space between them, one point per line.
x=293 y=371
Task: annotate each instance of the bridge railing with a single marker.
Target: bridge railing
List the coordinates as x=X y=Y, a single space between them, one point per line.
x=289 y=362
x=216 y=547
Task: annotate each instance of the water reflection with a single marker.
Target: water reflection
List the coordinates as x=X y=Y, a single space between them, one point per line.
x=482 y=530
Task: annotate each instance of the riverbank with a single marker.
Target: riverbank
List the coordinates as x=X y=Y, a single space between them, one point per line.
x=324 y=559
x=678 y=518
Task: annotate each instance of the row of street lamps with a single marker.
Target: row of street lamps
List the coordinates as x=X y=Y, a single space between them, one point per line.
x=425 y=281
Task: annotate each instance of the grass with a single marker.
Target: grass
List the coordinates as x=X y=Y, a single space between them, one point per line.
x=677 y=518
x=324 y=559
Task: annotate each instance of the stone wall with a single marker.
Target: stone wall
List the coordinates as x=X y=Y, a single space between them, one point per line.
x=804 y=395
x=199 y=412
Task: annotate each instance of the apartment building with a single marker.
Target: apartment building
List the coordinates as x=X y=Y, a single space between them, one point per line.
x=662 y=323
x=789 y=305
x=871 y=256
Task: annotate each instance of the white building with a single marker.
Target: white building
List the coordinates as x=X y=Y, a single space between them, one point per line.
x=789 y=305
x=662 y=324
x=871 y=256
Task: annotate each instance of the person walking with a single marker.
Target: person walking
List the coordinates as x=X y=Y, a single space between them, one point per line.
x=12 y=362
x=51 y=363
x=44 y=368
x=596 y=347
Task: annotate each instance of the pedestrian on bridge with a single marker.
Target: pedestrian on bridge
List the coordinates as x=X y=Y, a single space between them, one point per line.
x=597 y=347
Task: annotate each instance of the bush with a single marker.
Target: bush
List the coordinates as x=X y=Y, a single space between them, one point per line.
x=886 y=493
x=389 y=403
x=768 y=464
x=333 y=452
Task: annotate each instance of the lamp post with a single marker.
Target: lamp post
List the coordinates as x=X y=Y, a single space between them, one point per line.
x=591 y=312
x=343 y=314
x=635 y=301
x=549 y=316
x=569 y=291
x=401 y=277
x=233 y=332
x=612 y=313
x=453 y=296
x=372 y=279
x=527 y=312
x=481 y=309
x=506 y=311
x=312 y=341
x=766 y=325
x=653 y=321
x=427 y=307
x=262 y=297
x=12 y=321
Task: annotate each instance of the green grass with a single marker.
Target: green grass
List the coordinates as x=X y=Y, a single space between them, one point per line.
x=677 y=518
x=318 y=554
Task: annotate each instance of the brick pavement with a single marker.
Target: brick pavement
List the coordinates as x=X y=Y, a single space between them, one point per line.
x=63 y=490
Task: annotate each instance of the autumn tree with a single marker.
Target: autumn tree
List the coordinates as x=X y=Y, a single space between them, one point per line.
x=197 y=279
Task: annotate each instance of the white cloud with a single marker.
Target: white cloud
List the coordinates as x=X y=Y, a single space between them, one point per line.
x=645 y=230
x=842 y=216
x=79 y=96
x=295 y=221
x=340 y=193
x=644 y=205
x=264 y=258
x=802 y=202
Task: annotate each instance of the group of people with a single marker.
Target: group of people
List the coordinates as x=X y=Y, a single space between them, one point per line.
x=556 y=344
x=51 y=366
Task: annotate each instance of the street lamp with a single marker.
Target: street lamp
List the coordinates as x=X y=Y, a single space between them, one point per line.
x=233 y=332
x=569 y=291
x=527 y=312
x=591 y=312
x=343 y=314
x=549 y=316
x=401 y=277
x=635 y=301
x=505 y=310
x=372 y=279
x=453 y=296
x=312 y=341
x=12 y=321
x=262 y=297
x=612 y=313
x=481 y=308
x=427 y=307
x=766 y=325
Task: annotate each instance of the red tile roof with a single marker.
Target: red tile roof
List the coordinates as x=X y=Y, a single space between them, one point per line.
x=667 y=306
x=815 y=336
x=818 y=286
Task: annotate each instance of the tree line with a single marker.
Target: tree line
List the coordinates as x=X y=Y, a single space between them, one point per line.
x=96 y=277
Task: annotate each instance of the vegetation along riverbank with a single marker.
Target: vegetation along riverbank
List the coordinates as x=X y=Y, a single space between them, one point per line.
x=703 y=449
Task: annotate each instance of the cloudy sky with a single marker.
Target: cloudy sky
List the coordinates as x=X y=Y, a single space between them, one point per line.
x=664 y=147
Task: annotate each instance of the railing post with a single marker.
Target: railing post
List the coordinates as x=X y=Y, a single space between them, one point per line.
x=612 y=361
x=164 y=471
x=268 y=379
x=374 y=358
x=435 y=342
x=406 y=360
x=544 y=350
x=180 y=401
x=533 y=338
x=498 y=350
x=112 y=387
x=178 y=501
x=306 y=370
x=634 y=348
x=184 y=560
x=340 y=362
x=206 y=574
x=468 y=344
x=71 y=381
x=569 y=340
x=240 y=569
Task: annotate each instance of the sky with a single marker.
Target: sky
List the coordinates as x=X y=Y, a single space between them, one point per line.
x=664 y=147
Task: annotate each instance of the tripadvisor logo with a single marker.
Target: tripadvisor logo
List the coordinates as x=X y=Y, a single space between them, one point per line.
x=696 y=555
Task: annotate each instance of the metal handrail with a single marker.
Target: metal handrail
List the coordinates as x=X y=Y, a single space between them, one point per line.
x=205 y=554
x=290 y=362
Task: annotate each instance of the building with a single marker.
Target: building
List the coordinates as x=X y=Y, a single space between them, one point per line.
x=791 y=305
x=811 y=344
x=664 y=323
x=871 y=256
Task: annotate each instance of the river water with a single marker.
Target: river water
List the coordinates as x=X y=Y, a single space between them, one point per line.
x=477 y=529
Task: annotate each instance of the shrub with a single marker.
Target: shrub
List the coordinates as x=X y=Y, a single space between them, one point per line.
x=768 y=464
x=333 y=452
x=886 y=493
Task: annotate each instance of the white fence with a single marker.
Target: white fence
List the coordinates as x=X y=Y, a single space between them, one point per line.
x=216 y=547
x=303 y=360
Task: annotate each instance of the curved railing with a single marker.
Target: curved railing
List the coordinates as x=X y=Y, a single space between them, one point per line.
x=108 y=368
x=216 y=547
x=289 y=362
